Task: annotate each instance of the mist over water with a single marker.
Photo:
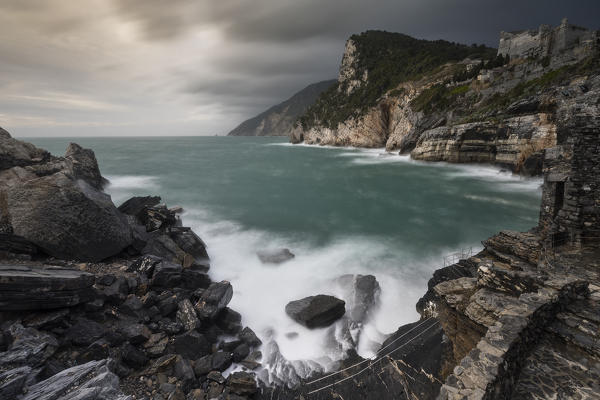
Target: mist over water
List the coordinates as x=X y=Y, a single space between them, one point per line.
x=339 y=210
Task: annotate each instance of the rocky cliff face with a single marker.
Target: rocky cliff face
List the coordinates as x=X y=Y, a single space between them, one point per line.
x=468 y=110
x=279 y=120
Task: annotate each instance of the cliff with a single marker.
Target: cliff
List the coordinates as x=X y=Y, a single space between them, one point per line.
x=279 y=120
x=466 y=104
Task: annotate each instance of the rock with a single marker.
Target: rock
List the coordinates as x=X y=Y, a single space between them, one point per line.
x=191 y=243
x=161 y=245
x=145 y=265
x=214 y=299
x=158 y=217
x=133 y=357
x=242 y=383
x=166 y=275
x=83 y=165
x=12 y=382
x=191 y=345
x=117 y=291
x=29 y=347
x=316 y=311
x=362 y=292
x=34 y=288
x=66 y=218
x=16 y=244
x=78 y=383
x=85 y=332
x=229 y=321
x=277 y=256
x=183 y=371
x=186 y=314
x=136 y=333
x=137 y=205
x=192 y=278
x=248 y=336
x=216 y=376
x=240 y=352
x=98 y=350
x=44 y=320
x=132 y=306
x=16 y=153
x=203 y=365
x=221 y=360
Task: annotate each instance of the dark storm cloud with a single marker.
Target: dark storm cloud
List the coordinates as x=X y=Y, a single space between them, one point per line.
x=204 y=65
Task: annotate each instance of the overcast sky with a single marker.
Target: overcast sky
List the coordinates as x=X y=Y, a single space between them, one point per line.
x=200 y=67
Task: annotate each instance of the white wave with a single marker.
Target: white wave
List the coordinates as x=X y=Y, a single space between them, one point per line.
x=261 y=292
x=496 y=200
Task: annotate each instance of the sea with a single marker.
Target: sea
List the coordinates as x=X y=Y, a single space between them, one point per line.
x=339 y=210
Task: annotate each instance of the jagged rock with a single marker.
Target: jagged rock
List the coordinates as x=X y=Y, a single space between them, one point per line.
x=191 y=345
x=33 y=288
x=161 y=245
x=193 y=278
x=248 y=336
x=85 y=332
x=242 y=383
x=12 y=382
x=136 y=333
x=166 y=275
x=15 y=153
x=183 y=371
x=90 y=381
x=275 y=256
x=83 y=165
x=229 y=320
x=186 y=314
x=137 y=205
x=240 y=352
x=316 y=311
x=29 y=347
x=145 y=265
x=96 y=351
x=45 y=319
x=133 y=356
x=191 y=243
x=132 y=306
x=214 y=299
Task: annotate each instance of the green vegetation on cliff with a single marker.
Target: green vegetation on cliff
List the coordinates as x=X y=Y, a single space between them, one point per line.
x=388 y=59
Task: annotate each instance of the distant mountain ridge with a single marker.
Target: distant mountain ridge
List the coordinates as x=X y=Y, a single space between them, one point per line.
x=279 y=120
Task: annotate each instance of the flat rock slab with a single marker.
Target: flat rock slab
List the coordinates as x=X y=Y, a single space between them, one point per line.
x=24 y=287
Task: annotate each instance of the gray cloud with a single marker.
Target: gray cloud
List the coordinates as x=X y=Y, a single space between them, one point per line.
x=201 y=66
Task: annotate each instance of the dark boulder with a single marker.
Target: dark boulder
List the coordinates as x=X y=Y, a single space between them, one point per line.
x=242 y=383
x=84 y=332
x=145 y=265
x=316 y=311
x=133 y=357
x=214 y=299
x=362 y=293
x=277 y=256
x=221 y=360
x=161 y=245
x=166 y=275
x=35 y=287
x=16 y=244
x=12 y=382
x=136 y=206
x=248 y=336
x=191 y=345
x=240 y=352
x=229 y=321
x=28 y=347
x=186 y=315
x=66 y=218
x=191 y=243
x=136 y=333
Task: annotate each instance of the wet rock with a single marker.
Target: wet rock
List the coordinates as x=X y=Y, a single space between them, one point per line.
x=214 y=299
x=362 y=292
x=137 y=205
x=242 y=383
x=78 y=383
x=277 y=256
x=186 y=315
x=16 y=244
x=132 y=306
x=241 y=352
x=248 y=336
x=191 y=243
x=229 y=321
x=16 y=153
x=117 y=291
x=183 y=371
x=221 y=360
x=44 y=320
x=216 y=376
x=98 y=350
x=316 y=311
x=191 y=345
x=161 y=245
x=194 y=278
x=166 y=275
x=34 y=288
x=170 y=327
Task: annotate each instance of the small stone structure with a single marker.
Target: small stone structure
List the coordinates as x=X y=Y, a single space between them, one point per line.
x=549 y=42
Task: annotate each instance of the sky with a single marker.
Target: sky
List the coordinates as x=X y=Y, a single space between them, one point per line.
x=200 y=67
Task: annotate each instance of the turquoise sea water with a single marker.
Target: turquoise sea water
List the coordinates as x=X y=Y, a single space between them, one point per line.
x=339 y=210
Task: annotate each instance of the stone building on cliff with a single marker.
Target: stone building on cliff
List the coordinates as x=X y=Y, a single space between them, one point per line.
x=562 y=43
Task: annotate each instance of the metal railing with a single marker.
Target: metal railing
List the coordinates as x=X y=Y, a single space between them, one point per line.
x=453 y=258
